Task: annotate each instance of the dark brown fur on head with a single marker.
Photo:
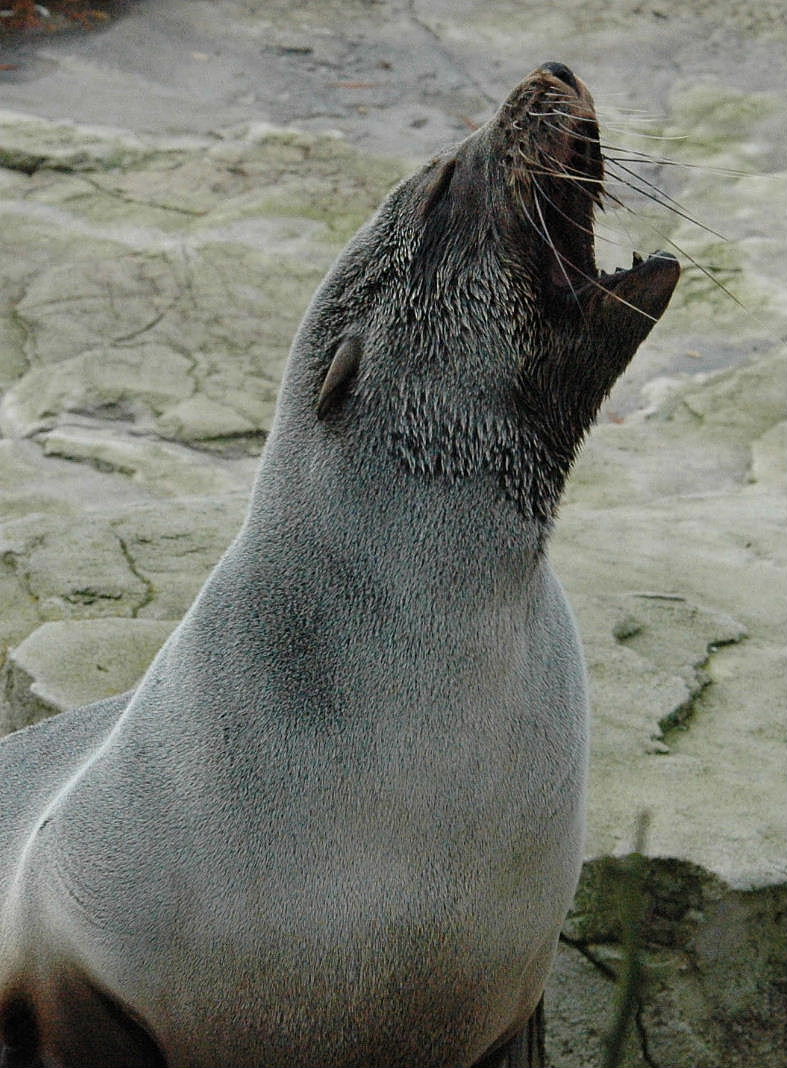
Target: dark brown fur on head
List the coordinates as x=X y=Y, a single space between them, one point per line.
x=485 y=337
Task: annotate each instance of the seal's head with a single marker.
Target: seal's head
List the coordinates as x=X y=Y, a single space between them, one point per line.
x=468 y=324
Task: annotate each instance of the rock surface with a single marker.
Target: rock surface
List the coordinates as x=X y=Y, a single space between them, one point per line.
x=171 y=192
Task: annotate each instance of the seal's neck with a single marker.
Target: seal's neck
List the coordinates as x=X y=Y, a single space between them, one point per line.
x=386 y=506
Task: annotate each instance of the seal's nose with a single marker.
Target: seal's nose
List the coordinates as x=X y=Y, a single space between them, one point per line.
x=561 y=71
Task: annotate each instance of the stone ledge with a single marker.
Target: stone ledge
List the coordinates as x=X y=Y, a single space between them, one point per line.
x=73 y=662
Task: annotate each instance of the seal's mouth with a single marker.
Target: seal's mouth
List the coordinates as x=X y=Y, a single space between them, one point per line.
x=556 y=173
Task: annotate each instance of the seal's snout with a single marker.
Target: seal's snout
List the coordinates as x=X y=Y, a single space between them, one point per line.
x=555 y=170
x=563 y=73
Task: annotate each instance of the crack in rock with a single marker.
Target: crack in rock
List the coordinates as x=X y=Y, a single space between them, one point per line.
x=149 y=588
x=452 y=60
x=679 y=639
x=712 y=958
x=154 y=322
x=14 y=558
x=642 y=1035
x=610 y=977
x=139 y=202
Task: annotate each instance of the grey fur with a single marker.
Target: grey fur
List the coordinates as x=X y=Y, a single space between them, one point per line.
x=340 y=820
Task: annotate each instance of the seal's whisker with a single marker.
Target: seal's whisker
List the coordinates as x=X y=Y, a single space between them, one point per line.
x=546 y=115
x=646 y=157
x=542 y=168
x=554 y=206
x=563 y=260
x=664 y=200
x=662 y=161
x=594 y=282
x=635 y=155
x=580 y=181
x=652 y=190
x=643 y=133
x=618 y=114
x=613 y=238
x=708 y=274
x=560 y=258
x=616 y=296
x=575 y=176
x=678 y=248
x=625 y=107
x=595 y=186
x=530 y=161
x=573 y=134
x=542 y=230
x=565 y=170
x=591 y=231
x=645 y=182
x=598 y=194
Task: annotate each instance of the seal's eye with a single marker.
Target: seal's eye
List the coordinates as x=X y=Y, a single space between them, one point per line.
x=439 y=186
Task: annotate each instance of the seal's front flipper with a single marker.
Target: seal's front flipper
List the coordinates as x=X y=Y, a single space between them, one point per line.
x=72 y=1024
x=525 y=1050
x=19 y=1039
x=11 y=1058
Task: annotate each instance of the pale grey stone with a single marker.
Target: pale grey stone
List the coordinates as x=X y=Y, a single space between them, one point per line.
x=65 y=664
x=164 y=469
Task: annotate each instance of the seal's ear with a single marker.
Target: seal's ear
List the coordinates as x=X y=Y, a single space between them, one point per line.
x=438 y=187
x=343 y=366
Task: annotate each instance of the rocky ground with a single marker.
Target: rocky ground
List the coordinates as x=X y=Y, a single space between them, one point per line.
x=171 y=191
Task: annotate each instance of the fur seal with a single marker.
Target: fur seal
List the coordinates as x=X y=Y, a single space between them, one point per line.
x=340 y=820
